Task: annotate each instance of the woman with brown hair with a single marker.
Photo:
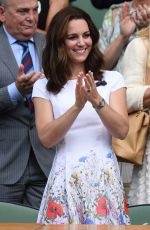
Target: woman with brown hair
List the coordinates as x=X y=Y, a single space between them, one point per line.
x=78 y=108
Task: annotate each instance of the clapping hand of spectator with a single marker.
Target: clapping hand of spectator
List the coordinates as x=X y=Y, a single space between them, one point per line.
x=127 y=22
x=80 y=97
x=142 y=16
x=25 y=82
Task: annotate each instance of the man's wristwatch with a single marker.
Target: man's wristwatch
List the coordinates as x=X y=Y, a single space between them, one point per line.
x=101 y=104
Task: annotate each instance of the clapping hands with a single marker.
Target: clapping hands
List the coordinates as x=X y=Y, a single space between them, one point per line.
x=142 y=16
x=86 y=89
x=129 y=21
x=24 y=82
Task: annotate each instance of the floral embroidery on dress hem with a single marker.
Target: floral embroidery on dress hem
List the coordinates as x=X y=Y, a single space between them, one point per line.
x=53 y=210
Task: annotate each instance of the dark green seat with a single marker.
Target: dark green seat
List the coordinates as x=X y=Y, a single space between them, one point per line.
x=140 y=214
x=15 y=213
x=96 y=14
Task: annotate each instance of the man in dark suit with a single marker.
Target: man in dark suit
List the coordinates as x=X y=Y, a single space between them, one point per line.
x=24 y=163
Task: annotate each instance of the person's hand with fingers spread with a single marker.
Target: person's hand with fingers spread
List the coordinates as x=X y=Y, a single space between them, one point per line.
x=24 y=82
x=80 y=97
x=90 y=90
x=127 y=24
x=114 y=38
x=142 y=16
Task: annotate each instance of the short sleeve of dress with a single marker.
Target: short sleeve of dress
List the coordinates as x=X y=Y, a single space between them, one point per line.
x=39 y=89
x=115 y=80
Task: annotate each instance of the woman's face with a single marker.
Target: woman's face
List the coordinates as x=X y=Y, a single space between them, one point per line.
x=78 y=41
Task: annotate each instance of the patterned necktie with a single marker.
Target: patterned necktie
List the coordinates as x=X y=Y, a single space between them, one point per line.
x=26 y=57
x=28 y=66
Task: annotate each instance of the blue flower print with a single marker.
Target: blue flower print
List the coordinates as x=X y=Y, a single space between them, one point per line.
x=88 y=221
x=82 y=159
x=121 y=219
x=56 y=198
x=96 y=184
x=109 y=155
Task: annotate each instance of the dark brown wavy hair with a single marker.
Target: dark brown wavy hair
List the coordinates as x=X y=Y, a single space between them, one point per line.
x=55 y=60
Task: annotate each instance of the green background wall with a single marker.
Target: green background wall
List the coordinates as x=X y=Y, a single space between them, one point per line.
x=96 y=14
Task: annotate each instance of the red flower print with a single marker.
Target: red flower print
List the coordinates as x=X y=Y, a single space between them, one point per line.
x=102 y=207
x=125 y=205
x=54 y=210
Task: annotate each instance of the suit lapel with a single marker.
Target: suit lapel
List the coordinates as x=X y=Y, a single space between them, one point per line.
x=7 y=55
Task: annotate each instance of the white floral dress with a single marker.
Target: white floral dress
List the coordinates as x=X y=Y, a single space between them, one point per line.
x=84 y=185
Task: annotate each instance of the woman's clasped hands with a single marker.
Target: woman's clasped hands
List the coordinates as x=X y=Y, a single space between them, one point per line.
x=86 y=90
